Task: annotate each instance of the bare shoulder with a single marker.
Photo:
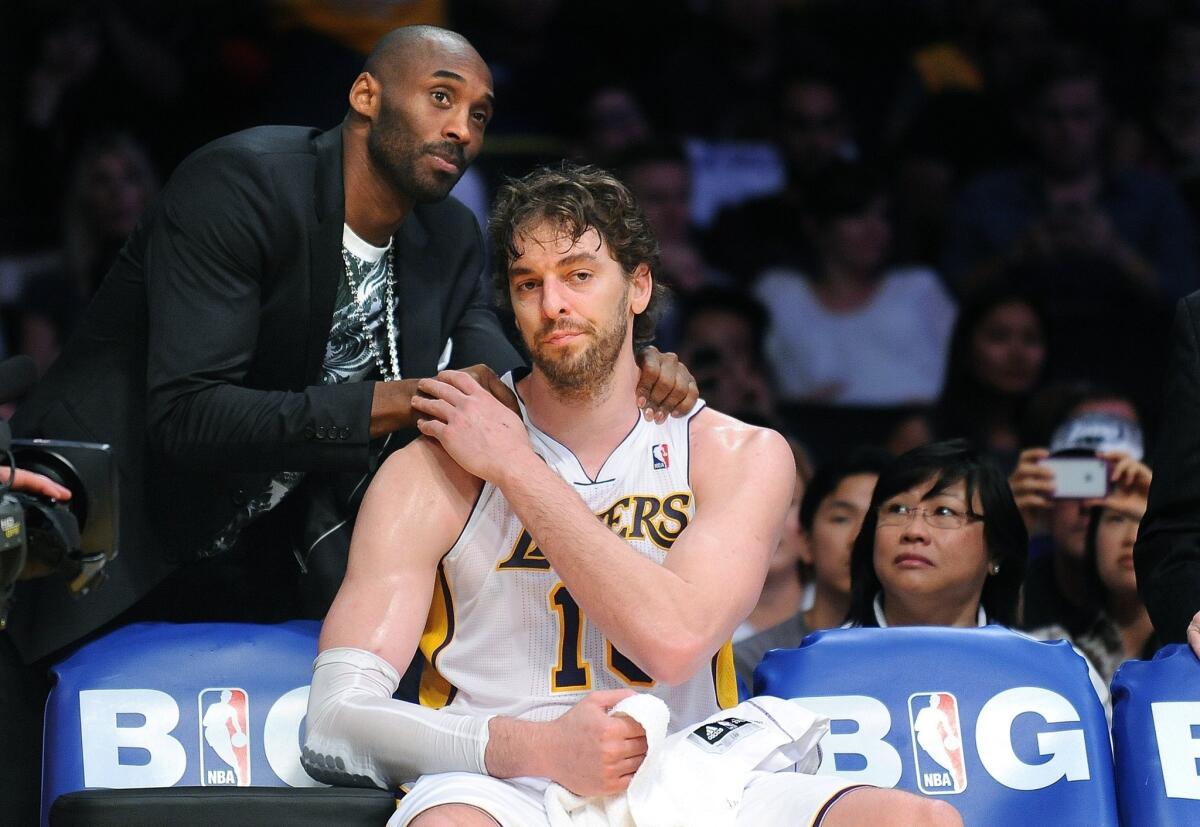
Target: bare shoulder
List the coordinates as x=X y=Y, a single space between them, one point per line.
x=423 y=461
x=728 y=449
x=723 y=436
x=419 y=500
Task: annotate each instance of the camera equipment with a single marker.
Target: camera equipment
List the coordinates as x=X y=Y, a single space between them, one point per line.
x=40 y=536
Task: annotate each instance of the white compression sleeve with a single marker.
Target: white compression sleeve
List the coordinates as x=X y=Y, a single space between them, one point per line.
x=359 y=735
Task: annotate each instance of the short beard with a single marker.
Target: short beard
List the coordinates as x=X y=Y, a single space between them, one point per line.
x=587 y=375
x=395 y=154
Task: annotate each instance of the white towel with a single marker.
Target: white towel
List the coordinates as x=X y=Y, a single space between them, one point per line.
x=695 y=777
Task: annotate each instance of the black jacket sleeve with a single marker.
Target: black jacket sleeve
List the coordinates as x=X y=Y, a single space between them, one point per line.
x=1167 y=554
x=206 y=264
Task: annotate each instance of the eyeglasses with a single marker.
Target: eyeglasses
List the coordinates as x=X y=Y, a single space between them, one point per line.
x=940 y=516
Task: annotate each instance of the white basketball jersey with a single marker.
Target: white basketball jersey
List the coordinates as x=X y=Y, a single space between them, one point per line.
x=504 y=635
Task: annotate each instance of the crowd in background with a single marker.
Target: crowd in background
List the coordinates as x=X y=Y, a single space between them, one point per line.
x=884 y=223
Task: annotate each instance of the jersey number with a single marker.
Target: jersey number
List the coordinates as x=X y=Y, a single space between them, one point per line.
x=573 y=672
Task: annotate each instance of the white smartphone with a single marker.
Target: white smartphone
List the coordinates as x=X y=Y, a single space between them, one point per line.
x=1078 y=478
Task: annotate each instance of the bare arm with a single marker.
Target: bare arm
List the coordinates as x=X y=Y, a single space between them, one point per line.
x=411 y=515
x=357 y=733
x=669 y=619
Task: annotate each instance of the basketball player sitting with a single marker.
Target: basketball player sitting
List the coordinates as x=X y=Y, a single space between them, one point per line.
x=479 y=546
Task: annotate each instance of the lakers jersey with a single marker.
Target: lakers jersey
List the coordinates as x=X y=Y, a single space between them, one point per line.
x=506 y=637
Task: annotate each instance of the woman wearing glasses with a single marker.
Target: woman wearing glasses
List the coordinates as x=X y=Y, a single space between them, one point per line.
x=942 y=544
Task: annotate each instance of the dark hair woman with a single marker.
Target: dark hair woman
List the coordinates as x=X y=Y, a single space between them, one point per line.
x=942 y=543
x=996 y=360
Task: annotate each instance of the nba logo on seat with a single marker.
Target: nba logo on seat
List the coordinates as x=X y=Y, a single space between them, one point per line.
x=658 y=453
x=937 y=743
x=224 y=738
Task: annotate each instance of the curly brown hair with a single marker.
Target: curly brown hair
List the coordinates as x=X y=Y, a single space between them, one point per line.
x=577 y=198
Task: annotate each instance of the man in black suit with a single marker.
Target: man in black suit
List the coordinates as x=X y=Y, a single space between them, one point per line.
x=233 y=352
x=1167 y=554
x=225 y=345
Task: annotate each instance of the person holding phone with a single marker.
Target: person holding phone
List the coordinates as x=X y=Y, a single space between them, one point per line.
x=1121 y=628
x=1055 y=488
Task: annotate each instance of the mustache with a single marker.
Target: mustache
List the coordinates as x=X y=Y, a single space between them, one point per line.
x=564 y=327
x=449 y=151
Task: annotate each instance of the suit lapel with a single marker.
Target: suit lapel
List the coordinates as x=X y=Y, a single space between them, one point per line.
x=325 y=248
x=420 y=308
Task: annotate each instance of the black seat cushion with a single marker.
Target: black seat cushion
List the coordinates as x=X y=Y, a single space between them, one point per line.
x=224 y=806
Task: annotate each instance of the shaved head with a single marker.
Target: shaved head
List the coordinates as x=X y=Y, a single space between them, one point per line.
x=394 y=54
x=422 y=101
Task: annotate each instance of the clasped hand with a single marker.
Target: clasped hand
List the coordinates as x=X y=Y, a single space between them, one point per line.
x=598 y=752
x=482 y=434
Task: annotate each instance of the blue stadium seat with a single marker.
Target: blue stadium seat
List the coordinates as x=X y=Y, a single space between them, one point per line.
x=214 y=706
x=1007 y=729
x=1156 y=738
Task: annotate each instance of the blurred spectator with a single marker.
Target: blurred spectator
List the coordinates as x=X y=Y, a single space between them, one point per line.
x=721 y=342
x=784 y=587
x=658 y=174
x=959 y=90
x=826 y=521
x=1165 y=136
x=94 y=67
x=613 y=123
x=951 y=117
x=923 y=185
x=854 y=331
x=910 y=429
x=1121 y=627
x=111 y=183
x=1058 y=585
x=997 y=357
x=812 y=130
x=730 y=54
x=1059 y=401
x=1101 y=228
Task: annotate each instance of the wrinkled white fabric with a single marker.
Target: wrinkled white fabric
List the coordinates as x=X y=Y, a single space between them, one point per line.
x=698 y=775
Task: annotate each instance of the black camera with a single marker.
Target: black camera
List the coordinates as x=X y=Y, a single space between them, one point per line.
x=42 y=537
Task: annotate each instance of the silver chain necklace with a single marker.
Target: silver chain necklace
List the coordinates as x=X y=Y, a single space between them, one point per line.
x=389 y=310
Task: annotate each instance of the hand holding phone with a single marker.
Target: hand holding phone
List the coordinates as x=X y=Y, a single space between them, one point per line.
x=1078 y=478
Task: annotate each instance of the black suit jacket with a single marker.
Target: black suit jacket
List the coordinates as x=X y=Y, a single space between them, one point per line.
x=200 y=357
x=1167 y=554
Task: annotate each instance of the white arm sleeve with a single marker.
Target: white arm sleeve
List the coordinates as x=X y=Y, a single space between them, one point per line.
x=359 y=735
